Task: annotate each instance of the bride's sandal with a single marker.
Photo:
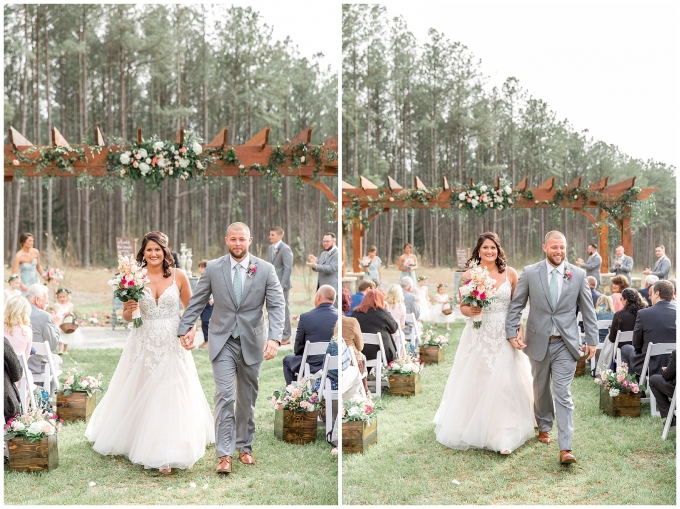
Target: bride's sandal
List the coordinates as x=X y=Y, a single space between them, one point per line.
x=505 y=452
x=165 y=471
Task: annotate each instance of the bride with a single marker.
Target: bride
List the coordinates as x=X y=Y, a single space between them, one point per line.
x=155 y=411
x=488 y=400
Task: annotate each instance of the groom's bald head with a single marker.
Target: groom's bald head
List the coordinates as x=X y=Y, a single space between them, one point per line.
x=239 y=226
x=554 y=234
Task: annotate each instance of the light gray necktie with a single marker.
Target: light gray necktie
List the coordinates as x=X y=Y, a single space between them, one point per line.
x=238 y=292
x=553 y=295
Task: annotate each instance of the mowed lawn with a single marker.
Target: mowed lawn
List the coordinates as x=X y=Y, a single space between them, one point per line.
x=621 y=461
x=284 y=473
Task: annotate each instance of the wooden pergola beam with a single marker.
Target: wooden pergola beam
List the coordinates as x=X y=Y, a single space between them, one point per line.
x=260 y=139
x=17 y=139
x=98 y=137
x=57 y=139
x=304 y=136
x=220 y=141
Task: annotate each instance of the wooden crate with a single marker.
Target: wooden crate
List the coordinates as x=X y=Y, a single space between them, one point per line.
x=358 y=435
x=401 y=385
x=26 y=456
x=77 y=406
x=580 y=367
x=626 y=404
x=295 y=427
x=431 y=354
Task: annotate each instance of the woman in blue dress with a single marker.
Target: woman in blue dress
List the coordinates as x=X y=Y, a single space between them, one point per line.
x=27 y=261
x=373 y=271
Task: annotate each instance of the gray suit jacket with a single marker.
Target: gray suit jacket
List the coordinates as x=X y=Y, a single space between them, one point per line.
x=625 y=268
x=44 y=331
x=411 y=303
x=283 y=263
x=662 y=267
x=327 y=267
x=533 y=285
x=259 y=288
x=592 y=266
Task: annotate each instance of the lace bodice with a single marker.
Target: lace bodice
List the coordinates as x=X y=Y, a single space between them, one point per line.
x=28 y=271
x=157 y=338
x=489 y=338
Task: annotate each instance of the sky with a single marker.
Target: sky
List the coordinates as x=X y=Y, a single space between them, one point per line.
x=609 y=67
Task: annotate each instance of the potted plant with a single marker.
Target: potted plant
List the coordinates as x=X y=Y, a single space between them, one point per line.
x=32 y=441
x=296 y=410
x=77 y=396
x=619 y=393
x=432 y=348
x=404 y=376
x=359 y=424
x=581 y=362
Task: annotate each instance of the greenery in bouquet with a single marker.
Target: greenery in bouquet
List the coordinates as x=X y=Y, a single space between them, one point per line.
x=432 y=338
x=478 y=290
x=364 y=262
x=33 y=426
x=77 y=382
x=360 y=408
x=298 y=397
x=406 y=366
x=130 y=284
x=619 y=382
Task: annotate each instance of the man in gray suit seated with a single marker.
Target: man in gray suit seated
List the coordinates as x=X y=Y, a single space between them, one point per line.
x=593 y=264
x=281 y=256
x=410 y=301
x=44 y=328
x=326 y=265
x=623 y=264
x=662 y=267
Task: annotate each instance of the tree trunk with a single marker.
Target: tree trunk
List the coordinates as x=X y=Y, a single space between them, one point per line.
x=86 y=226
x=19 y=183
x=174 y=241
x=24 y=76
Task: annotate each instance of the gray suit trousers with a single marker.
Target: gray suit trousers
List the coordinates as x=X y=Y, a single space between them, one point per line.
x=235 y=383
x=558 y=365
x=286 y=324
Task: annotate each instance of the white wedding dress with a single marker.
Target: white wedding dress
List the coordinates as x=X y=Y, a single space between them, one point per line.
x=488 y=399
x=154 y=411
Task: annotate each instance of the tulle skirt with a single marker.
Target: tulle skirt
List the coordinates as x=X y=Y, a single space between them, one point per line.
x=488 y=400
x=155 y=411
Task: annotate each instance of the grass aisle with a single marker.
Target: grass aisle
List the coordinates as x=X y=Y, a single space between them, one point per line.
x=120 y=482
x=408 y=466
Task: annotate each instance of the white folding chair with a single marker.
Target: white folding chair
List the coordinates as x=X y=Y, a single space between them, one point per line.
x=377 y=363
x=325 y=390
x=355 y=363
x=24 y=387
x=669 y=418
x=311 y=349
x=413 y=337
x=653 y=350
x=621 y=338
x=51 y=374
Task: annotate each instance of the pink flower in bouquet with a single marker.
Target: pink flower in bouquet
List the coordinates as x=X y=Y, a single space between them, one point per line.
x=131 y=283
x=135 y=164
x=635 y=389
x=183 y=150
x=138 y=156
x=278 y=407
x=154 y=161
x=274 y=400
x=620 y=377
x=369 y=409
x=15 y=162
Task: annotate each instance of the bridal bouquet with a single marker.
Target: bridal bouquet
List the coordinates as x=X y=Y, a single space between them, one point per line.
x=478 y=291
x=359 y=408
x=33 y=426
x=297 y=396
x=364 y=262
x=53 y=275
x=77 y=382
x=619 y=382
x=129 y=284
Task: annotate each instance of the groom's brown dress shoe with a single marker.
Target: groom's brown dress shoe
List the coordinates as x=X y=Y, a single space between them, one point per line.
x=224 y=466
x=566 y=457
x=246 y=458
x=544 y=437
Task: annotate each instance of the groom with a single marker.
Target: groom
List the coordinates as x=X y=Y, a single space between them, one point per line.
x=240 y=285
x=554 y=287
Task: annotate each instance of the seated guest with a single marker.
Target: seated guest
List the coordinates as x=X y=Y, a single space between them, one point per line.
x=410 y=301
x=17 y=325
x=351 y=385
x=663 y=386
x=395 y=306
x=619 y=284
x=604 y=310
x=13 y=373
x=42 y=324
x=649 y=281
x=592 y=283
x=374 y=318
x=675 y=287
x=315 y=326
x=653 y=325
x=624 y=320
x=351 y=332
x=363 y=287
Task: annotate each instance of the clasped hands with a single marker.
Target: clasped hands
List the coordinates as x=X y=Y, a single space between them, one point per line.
x=270 y=349
x=187 y=341
x=519 y=344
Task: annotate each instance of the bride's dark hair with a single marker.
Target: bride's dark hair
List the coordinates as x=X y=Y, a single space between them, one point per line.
x=501 y=262
x=161 y=239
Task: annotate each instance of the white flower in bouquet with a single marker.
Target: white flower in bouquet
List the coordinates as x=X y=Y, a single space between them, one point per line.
x=509 y=200
x=144 y=168
x=474 y=203
x=353 y=412
x=18 y=425
x=143 y=154
x=124 y=158
x=36 y=427
x=472 y=193
x=483 y=188
x=160 y=162
x=196 y=147
x=409 y=366
x=507 y=190
x=148 y=160
x=613 y=392
x=183 y=163
x=158 y=145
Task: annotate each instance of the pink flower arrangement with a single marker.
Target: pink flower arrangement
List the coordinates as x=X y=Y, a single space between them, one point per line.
x=298 y=397
x=478 y=290
x=618 y=382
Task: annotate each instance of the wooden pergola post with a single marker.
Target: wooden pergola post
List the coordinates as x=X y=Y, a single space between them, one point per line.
x=603 y=236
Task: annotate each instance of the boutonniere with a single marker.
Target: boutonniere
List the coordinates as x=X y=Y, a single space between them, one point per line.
x=252 y=269
x=567 y=274
x=276 y=251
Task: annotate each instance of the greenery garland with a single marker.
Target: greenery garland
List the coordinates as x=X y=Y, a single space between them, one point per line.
x=62 y=157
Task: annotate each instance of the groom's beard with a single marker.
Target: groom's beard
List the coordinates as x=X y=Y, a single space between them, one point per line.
x=238 y=255
x=330 y=248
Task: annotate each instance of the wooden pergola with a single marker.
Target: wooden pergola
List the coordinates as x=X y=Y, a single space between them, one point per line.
x=376 y=200
x=252 y=152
